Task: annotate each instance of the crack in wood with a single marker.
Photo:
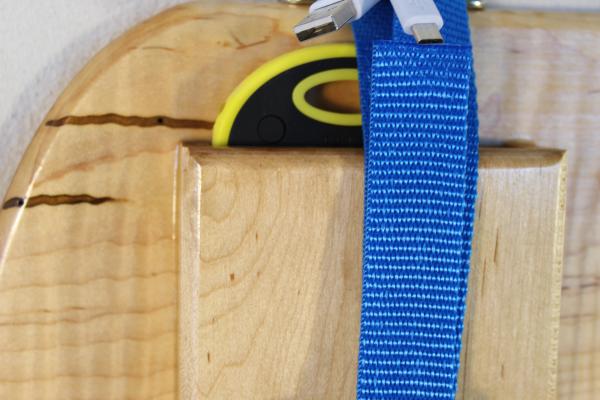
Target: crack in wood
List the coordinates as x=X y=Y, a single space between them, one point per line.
x=55 y=200
x=241 y=45
x=15 y=202
x=124 y=120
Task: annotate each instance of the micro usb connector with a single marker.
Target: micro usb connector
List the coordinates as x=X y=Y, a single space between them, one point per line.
x=427 y=33
x=419 y=18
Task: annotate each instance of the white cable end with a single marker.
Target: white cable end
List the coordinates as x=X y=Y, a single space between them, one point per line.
x=421 y=19
x=361 y=7
x=331 y=15
x=427 y=34
x=325 y=16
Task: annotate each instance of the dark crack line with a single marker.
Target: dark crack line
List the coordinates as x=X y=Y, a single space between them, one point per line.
x=123 y=120
x=55 y=200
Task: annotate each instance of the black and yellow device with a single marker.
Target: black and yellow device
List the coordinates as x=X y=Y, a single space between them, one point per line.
x=271 y=106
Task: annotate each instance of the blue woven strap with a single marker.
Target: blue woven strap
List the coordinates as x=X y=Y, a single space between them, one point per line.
x=421 y=149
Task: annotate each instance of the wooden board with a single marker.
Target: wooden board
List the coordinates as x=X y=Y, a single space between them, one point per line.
x=88 y=234
x=272 y=274
x=545 y=5
x=511 y=327
x=538 y=82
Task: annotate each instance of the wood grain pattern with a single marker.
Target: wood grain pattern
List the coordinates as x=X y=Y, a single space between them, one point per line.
x=510 y=343
x=280 y=268
x=538 y=80
x=92 y=289
x=277 y=272
x=545 y=5
x=88 y=295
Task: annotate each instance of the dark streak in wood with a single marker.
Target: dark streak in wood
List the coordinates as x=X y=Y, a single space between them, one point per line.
x=241 y=45
x=15 y=202
x=589 y=285
x=164 y=48
x=464 y=361
x=55 y=200
x=483 y=275
x=496 y=247
x=479 y=209
x=123 y=120
x=578 y=316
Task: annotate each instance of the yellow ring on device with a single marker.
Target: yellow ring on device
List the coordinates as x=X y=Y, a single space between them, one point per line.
x=318 y=114
x=266 y=72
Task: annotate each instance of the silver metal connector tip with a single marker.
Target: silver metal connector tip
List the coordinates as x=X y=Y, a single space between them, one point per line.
x=324 y=20
x=427 y=34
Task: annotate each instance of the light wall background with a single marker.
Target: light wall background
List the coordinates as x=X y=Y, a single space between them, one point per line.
x=43 y=44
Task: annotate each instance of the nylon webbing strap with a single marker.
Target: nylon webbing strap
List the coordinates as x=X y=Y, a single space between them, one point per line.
x=421 y=153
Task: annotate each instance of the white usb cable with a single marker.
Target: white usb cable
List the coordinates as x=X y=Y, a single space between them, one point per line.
x=419 y=18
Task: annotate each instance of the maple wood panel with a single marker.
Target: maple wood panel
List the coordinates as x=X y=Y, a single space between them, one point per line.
x=272 y=274
x=89 y=230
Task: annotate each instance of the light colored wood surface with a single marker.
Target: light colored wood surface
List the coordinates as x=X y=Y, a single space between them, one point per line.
x=545 y=5
x=88 y=249
x=127 y=210
x=277 y=274
x=510 y=343
x=538 y=81
x=280 y=273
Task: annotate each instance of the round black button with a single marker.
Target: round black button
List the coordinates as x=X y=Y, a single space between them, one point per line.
x=271 y=129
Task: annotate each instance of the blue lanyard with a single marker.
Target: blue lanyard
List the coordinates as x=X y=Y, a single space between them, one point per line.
x=421 y=153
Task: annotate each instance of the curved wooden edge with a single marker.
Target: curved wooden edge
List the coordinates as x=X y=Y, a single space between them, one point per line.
x=93 y=205
x=247 y=37
x=88 y=230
